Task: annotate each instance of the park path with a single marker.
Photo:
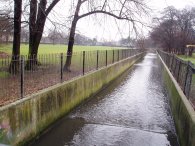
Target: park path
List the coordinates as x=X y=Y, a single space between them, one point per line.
x=132 y=111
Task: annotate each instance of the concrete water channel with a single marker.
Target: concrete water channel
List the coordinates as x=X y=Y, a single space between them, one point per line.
x=132 y=111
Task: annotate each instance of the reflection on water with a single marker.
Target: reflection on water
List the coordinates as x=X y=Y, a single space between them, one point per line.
x=134 y=110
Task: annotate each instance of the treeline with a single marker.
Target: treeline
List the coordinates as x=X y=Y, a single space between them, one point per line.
x=174 y=30
x=54 y=37
x=57 y=37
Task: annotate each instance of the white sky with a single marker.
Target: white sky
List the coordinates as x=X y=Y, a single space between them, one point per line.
x=108 y=30
x=160 y=4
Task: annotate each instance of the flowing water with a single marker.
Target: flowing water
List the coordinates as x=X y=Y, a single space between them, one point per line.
x=133 y=111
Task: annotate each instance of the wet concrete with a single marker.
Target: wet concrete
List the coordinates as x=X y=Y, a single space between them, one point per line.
x=133 y=111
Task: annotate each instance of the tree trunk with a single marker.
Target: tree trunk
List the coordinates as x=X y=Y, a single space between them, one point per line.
x=71 y=37
x=14 y=65
x=191 y=50
x=36 y=28
x=34 y=45
x=32 y=23
x=70 y=46
x=7 y=39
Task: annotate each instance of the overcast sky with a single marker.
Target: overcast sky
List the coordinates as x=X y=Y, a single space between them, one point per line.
x=109 y=30
x=160 y=4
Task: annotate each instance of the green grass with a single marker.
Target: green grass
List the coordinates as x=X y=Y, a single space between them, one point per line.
x=4 y=74
x=90 y=57
x=56 y=49
x=77 y=58
x=51 y=49
x=187 y=58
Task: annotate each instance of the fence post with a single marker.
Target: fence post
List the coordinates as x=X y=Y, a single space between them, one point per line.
x=169 y=61
x=178 y=71
x=106 y=58
x=83 y=62
x=113 y=57
x=122 y=55
x=166 y=59
x=174 y=70
x=118 y=55
x=97 y=60
x=188 y=80
x=22 y=77
x=172 y=61
x=129 y=54
x=61 y=67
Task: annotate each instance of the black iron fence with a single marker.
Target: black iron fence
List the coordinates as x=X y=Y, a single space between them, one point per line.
x=31 y=74
x=184 y=73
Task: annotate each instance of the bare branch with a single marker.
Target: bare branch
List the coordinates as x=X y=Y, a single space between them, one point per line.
x=51 y=6
x=107 y=13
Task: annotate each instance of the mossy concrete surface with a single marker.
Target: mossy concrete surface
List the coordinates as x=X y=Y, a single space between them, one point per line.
x=27 y=118
x=182 y=110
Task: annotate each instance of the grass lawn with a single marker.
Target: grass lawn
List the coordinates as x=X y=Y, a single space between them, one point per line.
x=49 y=54
x=4 y=74
x=187 y=58
x=50 y=49
x=45 y=49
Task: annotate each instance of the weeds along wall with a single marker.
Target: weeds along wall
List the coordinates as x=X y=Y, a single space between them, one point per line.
x=27 y=118
x=182 y=110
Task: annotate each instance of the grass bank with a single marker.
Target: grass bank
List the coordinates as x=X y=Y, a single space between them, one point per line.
x=187 y=58
x=51 y=49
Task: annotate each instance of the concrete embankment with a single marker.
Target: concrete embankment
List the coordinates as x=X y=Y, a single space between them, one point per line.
x=25 y=119
x=183 y=113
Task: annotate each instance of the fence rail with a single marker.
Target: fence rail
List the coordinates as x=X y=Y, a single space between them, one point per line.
x=17 y=81
x=184 y=73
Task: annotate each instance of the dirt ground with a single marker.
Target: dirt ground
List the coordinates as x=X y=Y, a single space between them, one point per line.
x=3 y=55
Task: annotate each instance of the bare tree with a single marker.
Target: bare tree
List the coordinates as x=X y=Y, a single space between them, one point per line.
x=174 y=30
x=17 y=27
x=129 y=10
x=186 y=19
x=54 y=36
x=165 y=35
x=14 y=66
x=165 y=31
x=38 y=15
x=141 y=43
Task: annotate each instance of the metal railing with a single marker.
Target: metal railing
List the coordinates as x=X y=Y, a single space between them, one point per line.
x=48 y=70
x=184 y=73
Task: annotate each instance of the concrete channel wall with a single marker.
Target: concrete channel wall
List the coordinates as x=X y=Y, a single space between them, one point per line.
x=183 y=113
x=27 y=118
